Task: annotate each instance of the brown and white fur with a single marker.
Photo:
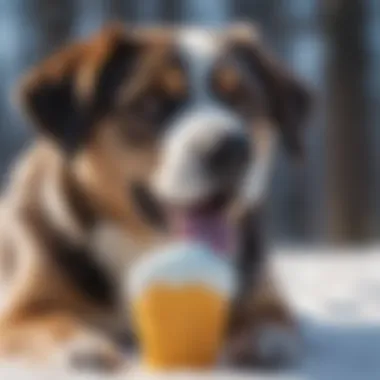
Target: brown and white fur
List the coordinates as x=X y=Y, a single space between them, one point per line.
x=126 y=122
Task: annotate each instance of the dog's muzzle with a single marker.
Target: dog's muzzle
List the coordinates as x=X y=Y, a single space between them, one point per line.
x=201 y=153
x=228 y=156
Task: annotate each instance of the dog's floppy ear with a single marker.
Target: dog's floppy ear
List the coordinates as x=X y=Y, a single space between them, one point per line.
x=70 y=91
x=289 y=99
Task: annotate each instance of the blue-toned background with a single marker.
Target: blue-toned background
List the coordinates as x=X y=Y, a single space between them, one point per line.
x=333 y=44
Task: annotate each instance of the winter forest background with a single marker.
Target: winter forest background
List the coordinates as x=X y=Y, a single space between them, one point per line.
x=334 y=44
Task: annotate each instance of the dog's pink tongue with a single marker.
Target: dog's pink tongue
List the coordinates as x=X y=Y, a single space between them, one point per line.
x=210 y=228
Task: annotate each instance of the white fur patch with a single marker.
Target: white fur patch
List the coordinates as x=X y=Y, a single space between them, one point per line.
x=180 y=177
x=256 y=183
x=56 y=206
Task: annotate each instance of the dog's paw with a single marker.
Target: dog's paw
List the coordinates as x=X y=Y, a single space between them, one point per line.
x=270 y=346
x=94 y=355
x=276 y=346
x=95 y=360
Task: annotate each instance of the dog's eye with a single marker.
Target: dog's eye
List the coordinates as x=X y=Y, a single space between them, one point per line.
x=147 y=109
x=157 y=108
x=227 y=81
x=147 y=116
x=229 y=86
x=139 y=119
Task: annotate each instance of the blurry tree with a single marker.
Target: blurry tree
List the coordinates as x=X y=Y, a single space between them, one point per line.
x=266 y=14
x=288 y=206
x=31 y=29
x=348 y=181
x=123 y=10
x=52 y=21
x=171 y=10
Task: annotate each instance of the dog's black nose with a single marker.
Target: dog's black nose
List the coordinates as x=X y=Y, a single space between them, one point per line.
x=229 y=154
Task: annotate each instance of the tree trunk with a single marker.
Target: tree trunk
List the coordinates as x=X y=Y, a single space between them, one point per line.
x=52 y=21
x=120 y=10
x=348 y=182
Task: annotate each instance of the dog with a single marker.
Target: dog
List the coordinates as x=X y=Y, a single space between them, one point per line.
x=139 y=131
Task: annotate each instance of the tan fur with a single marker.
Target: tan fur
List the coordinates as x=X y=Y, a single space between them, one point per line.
x=58 y=339
x=263 y=307
x=103 y=168
x=43 y=314
x=43 y=304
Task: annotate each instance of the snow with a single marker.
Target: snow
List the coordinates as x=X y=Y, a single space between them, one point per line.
x=336 y=294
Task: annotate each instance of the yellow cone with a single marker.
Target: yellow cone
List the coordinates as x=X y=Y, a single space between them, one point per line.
x=180 y=305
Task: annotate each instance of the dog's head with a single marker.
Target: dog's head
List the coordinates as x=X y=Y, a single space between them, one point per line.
x=186 y=117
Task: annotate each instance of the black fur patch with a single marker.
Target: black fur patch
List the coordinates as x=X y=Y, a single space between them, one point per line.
x=251 y=250
x=288 y=99
x=75 y=261
x=55 y=106
x=119 y=65
x=148 y=206
x=78 y=264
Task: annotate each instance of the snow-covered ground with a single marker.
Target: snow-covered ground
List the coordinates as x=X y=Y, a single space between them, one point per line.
x=337 y=297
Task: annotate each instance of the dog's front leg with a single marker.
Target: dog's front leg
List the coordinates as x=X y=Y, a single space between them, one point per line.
x=60 y=340
x=263 y=330
x=43 y=318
